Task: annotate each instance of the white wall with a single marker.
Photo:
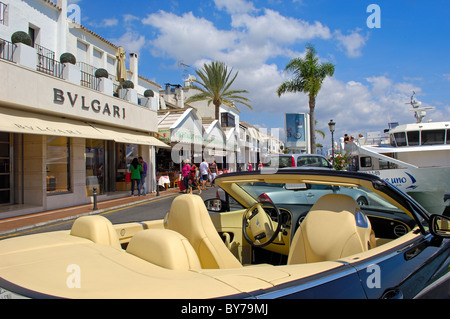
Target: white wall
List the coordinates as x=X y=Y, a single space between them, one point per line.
x=38 y=14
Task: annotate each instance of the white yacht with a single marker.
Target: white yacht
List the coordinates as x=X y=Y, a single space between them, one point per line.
x=414 y=157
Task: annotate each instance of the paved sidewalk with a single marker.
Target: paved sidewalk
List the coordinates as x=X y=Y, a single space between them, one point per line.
x=19 y=223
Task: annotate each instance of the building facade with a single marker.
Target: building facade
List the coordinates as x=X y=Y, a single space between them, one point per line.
x=63 y=131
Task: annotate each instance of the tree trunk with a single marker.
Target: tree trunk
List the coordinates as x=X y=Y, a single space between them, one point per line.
x=217 y=111
x=312 y=123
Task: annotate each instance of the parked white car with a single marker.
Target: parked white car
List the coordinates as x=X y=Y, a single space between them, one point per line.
x=296 y=160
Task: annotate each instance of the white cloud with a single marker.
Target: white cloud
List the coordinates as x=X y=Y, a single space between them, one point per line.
x=110 y=22
x=131 y=41
x=351 y=43
x=129 y=18
x=187 y=37
x=277 y=28
x=235 y=6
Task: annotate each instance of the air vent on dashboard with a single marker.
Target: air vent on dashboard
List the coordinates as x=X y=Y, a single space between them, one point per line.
x=400 y=230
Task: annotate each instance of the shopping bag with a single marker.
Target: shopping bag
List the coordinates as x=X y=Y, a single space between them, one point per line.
x=181 y=184
x=128 y=177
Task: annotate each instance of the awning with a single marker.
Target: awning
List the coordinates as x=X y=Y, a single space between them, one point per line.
x=129 y=137
x=16 y=121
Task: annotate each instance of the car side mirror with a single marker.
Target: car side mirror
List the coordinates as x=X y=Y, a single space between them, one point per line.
x=440 y=226
x=216 y=205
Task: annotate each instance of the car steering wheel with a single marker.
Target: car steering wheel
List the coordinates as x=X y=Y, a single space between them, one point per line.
x=260 y=225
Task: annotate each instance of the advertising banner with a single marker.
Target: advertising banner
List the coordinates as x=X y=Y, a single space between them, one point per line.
x=296 y=132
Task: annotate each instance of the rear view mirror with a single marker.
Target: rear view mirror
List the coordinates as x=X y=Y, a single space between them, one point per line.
x=440 y=226
x=216 y=205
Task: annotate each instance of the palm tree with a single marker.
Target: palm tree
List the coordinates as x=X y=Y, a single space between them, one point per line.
x=215 y=86
x=309 y=75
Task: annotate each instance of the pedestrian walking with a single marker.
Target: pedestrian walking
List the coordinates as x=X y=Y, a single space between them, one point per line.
x=204 y=170
x=135 y=170
x=185 y=171
x=193 y=180
x=212 y=172
x=143 y=175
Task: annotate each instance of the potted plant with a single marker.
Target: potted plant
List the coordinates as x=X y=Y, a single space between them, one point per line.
x=71 y=71
x=149 y=93
x=127 y=92
x=23 y=52
x=101 y=73
x=21 y=37
x=67 y=58
x=105 y=83
x=127 y=85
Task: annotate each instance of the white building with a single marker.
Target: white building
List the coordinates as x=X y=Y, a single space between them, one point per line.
x=62 y=130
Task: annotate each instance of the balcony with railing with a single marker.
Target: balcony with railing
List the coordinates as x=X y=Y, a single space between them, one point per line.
x=6 y=50
x=45 y=62
x=88 y=78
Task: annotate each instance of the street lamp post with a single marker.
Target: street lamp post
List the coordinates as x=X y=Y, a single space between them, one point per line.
x=332 y=125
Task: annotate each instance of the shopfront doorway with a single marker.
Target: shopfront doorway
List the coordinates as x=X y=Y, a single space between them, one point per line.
x=95 y=167
x=5 y=168
x=107 y=164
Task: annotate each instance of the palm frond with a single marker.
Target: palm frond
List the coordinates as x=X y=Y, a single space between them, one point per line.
x=214 y=83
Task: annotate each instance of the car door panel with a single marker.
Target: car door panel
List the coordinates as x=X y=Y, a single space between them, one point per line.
x=339 y=283
x=401 y=272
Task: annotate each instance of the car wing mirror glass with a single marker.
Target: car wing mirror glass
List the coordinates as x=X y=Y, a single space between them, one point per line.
x=440 y=226
x=216 y=205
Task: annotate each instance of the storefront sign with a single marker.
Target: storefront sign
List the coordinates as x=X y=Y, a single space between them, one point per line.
x=164 y=135
x=95 y=106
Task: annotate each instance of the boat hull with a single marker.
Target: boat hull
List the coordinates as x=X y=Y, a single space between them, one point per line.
x=427 y=185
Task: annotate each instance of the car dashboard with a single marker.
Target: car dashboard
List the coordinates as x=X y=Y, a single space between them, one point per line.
x=386 y=225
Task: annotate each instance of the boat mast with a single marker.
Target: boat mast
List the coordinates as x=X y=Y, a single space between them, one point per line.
x=419 y=113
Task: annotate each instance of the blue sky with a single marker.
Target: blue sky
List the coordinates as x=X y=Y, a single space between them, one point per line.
x=376 y=68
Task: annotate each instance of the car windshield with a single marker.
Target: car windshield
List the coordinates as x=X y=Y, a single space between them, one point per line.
x=311 y=161
x=278 y=161
x=308 y=194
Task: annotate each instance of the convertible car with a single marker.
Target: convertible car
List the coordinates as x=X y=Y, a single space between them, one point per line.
x=242 y=247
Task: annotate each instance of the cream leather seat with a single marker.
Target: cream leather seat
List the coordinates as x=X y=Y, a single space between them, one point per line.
x=96 y=228
x=335 y=227
x=165 y=248
x=189 y=217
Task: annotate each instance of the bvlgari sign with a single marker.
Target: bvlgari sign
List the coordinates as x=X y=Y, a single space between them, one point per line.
x=89 y=105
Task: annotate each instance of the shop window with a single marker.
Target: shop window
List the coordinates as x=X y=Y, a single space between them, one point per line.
x=58 y=164
x=95 y=166
x=124 y=155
